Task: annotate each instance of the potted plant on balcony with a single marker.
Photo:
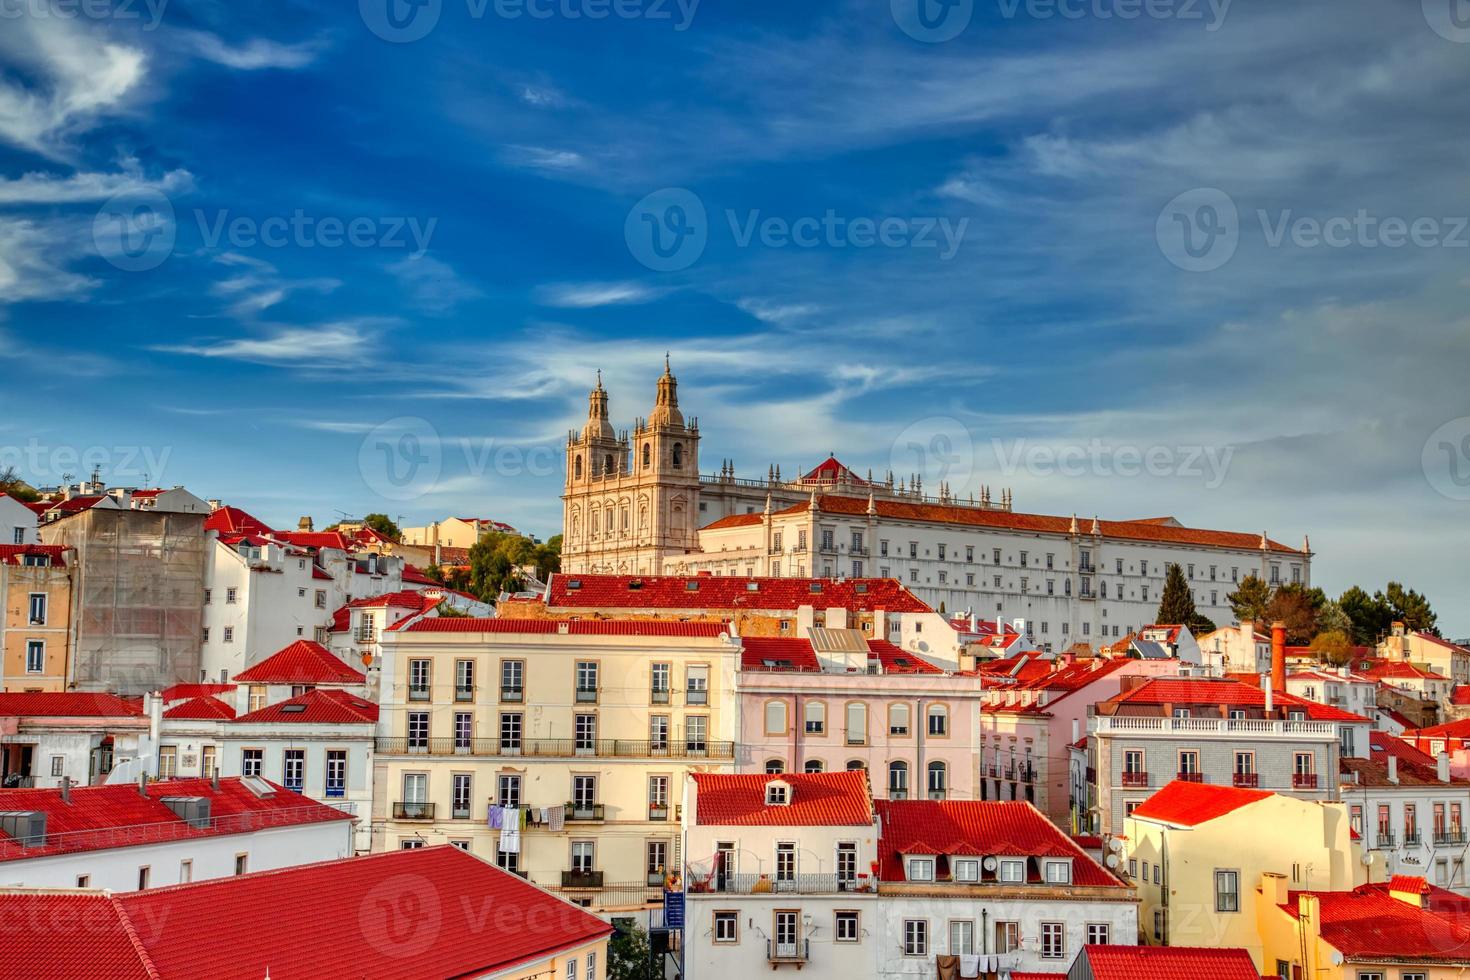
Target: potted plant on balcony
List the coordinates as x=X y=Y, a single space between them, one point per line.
x=762 y=885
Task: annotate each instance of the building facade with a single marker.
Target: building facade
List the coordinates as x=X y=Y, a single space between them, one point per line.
x=36 y=618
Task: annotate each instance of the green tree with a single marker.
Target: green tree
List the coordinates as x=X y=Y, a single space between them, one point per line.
x=496 y=561
x=1250 y=600
x=13 y=485
x=1297 y=607
x=384 y=525
x=1331 y=617
x=627 y=954
x=1176 y=605
x=548 y=557
x=1411 y=608
x=1333 y=647
x=1370 y=615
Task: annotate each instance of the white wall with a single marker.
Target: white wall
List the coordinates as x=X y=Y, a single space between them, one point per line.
x=16 y=516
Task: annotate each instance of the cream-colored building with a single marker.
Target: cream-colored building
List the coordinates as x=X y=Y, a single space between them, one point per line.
x=454 y=532
x=35 y=623
x=585 y=729
x=1407 y=646
x=1197 y=853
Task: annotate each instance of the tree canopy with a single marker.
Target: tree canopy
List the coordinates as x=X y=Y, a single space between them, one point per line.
x=1176 y=605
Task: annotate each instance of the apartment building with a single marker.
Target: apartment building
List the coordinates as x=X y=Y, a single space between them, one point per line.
x=18 y=520
x=1339 y=688
x=839 y=700
x=554 y=748
x=1197 y=854
x=1439 y=655
x=49 y=737
x=36 y=619
x=1217 y=732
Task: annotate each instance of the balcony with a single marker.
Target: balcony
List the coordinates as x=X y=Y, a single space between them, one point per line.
x=459 y=813
x=585 y=813
x=1385 y=841
x=658 y=696
x=798 y=953
x=747 y=884
x=1245 y=780
x=1027 y=774
x=1413 y=839
x=1229 y=728
x=551 y=748
x=418 y=692
x=513 y=694
x=365 y=634
x=1304 y=780
x=586 y=695
x=413 y=811
x=658 y=812
x=1190 y=777
x=336 y=792
x=581 y=879
x=1133 y=779
x=858 y=551
x=464 y=693
x=1449 y=838
x=656 y=879
x=696 y=697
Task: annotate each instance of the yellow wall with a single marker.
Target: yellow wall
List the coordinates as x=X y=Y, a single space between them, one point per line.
x=16 y=585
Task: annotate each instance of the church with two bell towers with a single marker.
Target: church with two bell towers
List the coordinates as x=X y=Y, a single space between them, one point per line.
x=632 y=498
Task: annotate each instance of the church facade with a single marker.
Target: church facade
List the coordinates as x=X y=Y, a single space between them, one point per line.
x=635 y=504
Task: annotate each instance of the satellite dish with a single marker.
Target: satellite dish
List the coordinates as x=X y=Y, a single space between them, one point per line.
x=1367 y=859
x=1336 y=958
x=991 y=864
x=1115 y=844
x=1112 y=860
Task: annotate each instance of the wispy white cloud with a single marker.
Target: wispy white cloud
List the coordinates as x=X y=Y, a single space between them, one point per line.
x=324 y=345
x=585 y=295
x=777 y=313
x=430 y=285
x=82 y=187
x=253 y=55
x=258 y=285
x=543 y=158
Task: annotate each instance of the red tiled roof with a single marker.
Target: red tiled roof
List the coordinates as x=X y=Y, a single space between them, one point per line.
x=1156 y=962
x=818 y=799
x=15 y=554
x=702 y=592
x=778 y=653
x=183 y=692
x=1191 y=804
x=944 y=827
x=1450 y=729
x=102 y=817
x=303 y=662
x=1384 y=744
x=1059 y=683
x=201 y=709
x=1398 y=670
x=76 y=504
x=1413 y=884
x=1367 y=924
x=315 y=539
x=1226 y=693
x=897 y=660
x=65 y=704
x=1461 y=694
x=833 y=469
x=233 y=521
x=321 y=706
x=903 y=510
x=412 y=575
x=411 y=915
x=575 y=627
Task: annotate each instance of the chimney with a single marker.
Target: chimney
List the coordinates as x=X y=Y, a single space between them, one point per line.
x=1076 y=730
x=1278 y=657
x=1442 y=764
x=66 y=790
x=1393 y=769
x=1270 y=692
x=143 y=785
x=305 y=524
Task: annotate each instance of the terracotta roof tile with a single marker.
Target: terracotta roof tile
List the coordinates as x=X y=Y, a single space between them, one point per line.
x=1191 y=804
x=66 y=704
x=720 y=592
x=201 y=709
x=1368 y=924
x=321 y=706
x=575 y=627
x=15 y=554
x=1156 y=962
x=826 y=799
x=303 y=662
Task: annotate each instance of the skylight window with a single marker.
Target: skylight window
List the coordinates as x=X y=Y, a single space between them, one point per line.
x=691 y=586
x=575 y=583
x=292 y=709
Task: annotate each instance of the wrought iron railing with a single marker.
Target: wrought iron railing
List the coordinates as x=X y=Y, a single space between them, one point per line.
x=559 y=747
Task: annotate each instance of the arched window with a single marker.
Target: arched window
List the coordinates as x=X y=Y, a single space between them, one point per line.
x=938 y=721
x=607 y=464
x=857 y=723
x=678 y=455
x=938 y=780
x=647 y=455
x=775 y=717
x=577 y=467
x=898 y=780
x=814 y=765
x=816 y=718
x=774 y=767
x=898 y=720
x=856 y=765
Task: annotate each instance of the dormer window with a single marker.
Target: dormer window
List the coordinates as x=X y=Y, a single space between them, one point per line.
x=1011 y=872
x=965 y=869
x=1058 y=872
x=778 y=793
x=921 y=869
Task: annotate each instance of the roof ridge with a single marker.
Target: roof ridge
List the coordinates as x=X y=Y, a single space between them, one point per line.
x=136 y=941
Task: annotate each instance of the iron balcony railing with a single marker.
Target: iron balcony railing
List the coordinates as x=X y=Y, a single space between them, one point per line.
x=586 y=695
x=1190 y=777
x=658 y=696
x=336 y=792
x=696 y=697
x=1413 y=839
x=1449 y=838
x=1245 y=780
x=516 y=694
x=585 y=812
x=418 y=693
x=657 y=811
x=614 y=748
x=797 y=952
x=1304 y=780
x=802 y=884
x=413 y=811
x=462 y=693
x=1385 y=841
x=581 y=879
x=1134 y=778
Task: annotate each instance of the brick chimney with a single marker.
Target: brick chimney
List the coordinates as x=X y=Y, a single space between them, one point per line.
x=1278 y=657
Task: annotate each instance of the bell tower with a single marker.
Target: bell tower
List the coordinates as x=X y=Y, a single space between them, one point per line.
x=592 y=518
x=666 y=462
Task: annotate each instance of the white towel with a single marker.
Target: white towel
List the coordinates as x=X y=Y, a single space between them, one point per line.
x=510 y=833
x=969 y=965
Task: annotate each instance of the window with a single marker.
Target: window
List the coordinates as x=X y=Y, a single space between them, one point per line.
x=251 y=761
x=938 y=721
x=775 y=717
x=592 y=966
x=658 y=732
x=1227 y=891
x=659 y=679
x=898 y=780
x=814 y=765
x=816 y=717
x=586 y=680
x=696 y=728
x=776 y=794
x=168 y=756
x=1099 y=934
x=785 y=861
x=242 y=863
x=512 y=680
x=965 y=869
x=508 y=789
x=418 y=680
x=418 y=730
x=1058 y=872
x=582 y=854
x=143 y=875
x=1007 y=937
x=336 y=780
x=961 y=937
x=696 y=684
x=510 y=732
x=938 y=780
x=727 y=927
x=898 y=720
x=857 y=723
x=916 y=937
x=35 y=656
x=845 y=927
x=584 y=792
x=231 y=595
x=229 y=634
x=459 y=796
x=293 y=769
x=1011 y=871
x=585 y=729
x=656 y=860
x=38 y=609
x=58 y=765
x=463 y=730
x=464 y=680
x=1053 y=941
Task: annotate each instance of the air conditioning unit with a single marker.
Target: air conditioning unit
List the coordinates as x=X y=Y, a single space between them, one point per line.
x=193 y=810
x=26 y=826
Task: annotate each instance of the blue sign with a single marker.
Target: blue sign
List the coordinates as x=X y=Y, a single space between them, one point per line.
x=674 y=910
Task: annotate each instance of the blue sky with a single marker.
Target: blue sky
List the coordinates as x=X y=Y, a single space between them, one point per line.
x=1227 y=240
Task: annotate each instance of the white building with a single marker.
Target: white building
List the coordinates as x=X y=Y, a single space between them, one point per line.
x=1339 y=688
x=46 y=737
x=1241 y=648
x=174 y=500
x=131 y=837
x=17 y=521
x=806 y=871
